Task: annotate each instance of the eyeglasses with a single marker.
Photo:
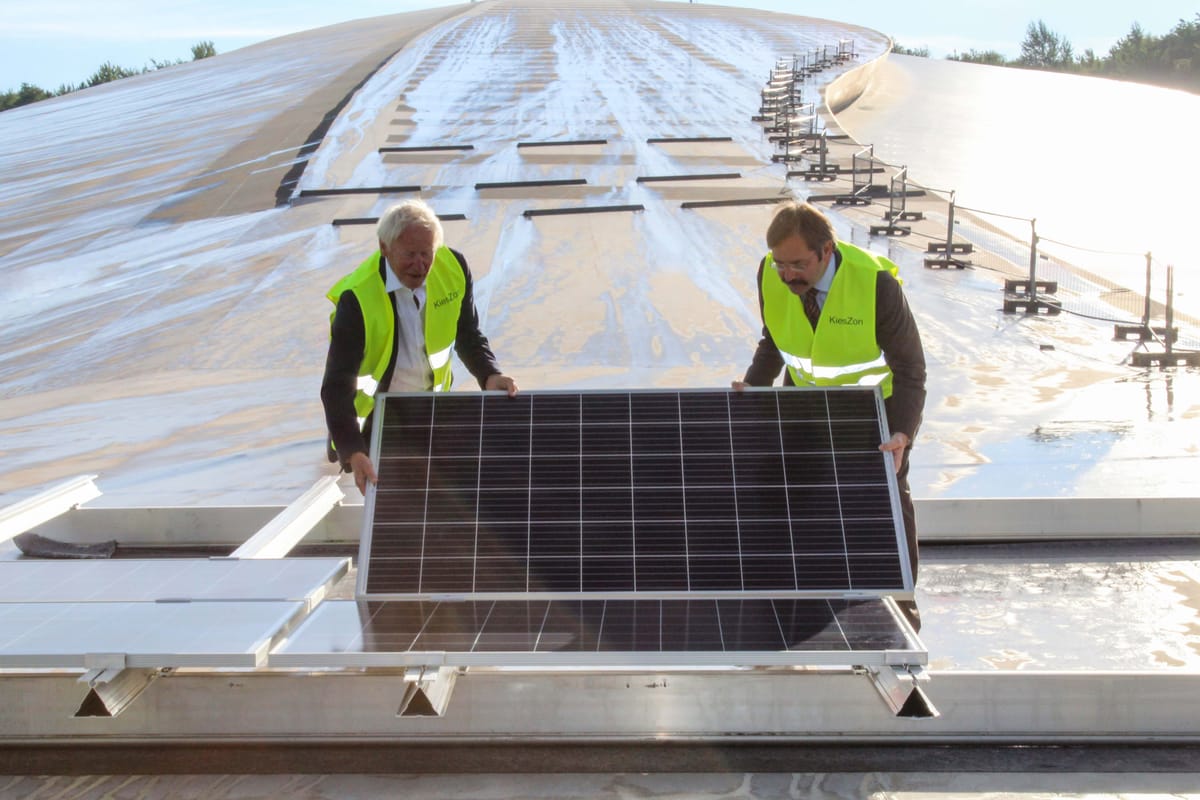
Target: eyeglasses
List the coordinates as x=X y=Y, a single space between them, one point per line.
x=796 y=266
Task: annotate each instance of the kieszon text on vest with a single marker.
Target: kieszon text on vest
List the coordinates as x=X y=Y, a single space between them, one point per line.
x=854 y=321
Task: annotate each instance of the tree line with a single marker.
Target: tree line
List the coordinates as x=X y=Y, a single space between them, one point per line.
x=1171 y=60
x=108 y=71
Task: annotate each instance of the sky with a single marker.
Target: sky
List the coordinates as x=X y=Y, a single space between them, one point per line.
x=49 y=43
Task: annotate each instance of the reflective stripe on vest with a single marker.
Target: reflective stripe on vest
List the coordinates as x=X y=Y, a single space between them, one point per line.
x=445 y=287
x=843 y=350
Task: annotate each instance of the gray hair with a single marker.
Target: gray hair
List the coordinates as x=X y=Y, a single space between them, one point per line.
x=403 y=216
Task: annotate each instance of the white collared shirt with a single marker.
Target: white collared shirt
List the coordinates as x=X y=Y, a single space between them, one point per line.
x=412 y=372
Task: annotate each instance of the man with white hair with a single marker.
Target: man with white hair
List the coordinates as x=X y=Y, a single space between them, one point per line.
x=398 y=318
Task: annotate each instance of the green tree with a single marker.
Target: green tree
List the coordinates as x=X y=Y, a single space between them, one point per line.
x=1177 y=56
x=899 y=49
x=204 y=49
x=1130 y=55
x=1089 y=63
x=1045 y=49
x=973 y=56
x=28 y=93
x=109 y=72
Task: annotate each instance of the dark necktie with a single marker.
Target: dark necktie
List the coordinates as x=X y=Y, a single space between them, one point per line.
x=812 y=309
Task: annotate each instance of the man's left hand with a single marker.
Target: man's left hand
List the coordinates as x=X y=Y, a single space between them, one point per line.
x=498 y=382
x=895 y=446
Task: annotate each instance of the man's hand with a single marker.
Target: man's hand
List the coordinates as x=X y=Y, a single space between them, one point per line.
x=498 y=382
x=738 y=385
x=895 y=446
x=363 y=469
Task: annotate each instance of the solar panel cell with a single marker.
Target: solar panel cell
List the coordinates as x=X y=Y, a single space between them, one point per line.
x=706 y=471
x=442 y=541
x=667 y=538
x=602 y=439
x=500 y=411
x=555 y=472
x=656 y=573
x=504 y=440
x=715 y=573
x=605 y=574
x=658 y=470
x=802 y=437
x=555 y=574
x=712 y=537
x=818 y=467
x=555 y=440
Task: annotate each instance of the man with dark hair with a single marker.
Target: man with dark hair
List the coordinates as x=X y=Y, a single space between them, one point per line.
x=834 y=315
x=398 y=318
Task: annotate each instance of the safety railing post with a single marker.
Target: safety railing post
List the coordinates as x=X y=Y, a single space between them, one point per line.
x=1033 y=242
x=1146 y=305
x=1170 y=315
x=950 y=226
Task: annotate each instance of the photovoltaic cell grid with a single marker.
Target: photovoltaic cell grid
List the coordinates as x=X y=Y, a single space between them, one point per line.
x=589 y=632
x=671 y=493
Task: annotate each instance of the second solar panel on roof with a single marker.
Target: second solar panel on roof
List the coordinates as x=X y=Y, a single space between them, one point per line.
x=546 y=633
x=669 y=493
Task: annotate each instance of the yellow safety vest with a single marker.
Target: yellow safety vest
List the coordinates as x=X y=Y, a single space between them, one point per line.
x=843 y=350
x=445 y=287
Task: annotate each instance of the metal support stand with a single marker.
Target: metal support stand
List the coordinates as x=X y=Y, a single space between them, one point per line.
x=1022 y=295
x=897 y=208
x=1145 y=332
x=427 y=691
x=111 y=690
x=948 y=248
x=1168 y=357
x=900 y=691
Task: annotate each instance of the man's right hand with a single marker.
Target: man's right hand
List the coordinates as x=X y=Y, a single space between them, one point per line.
x=738 y=385
x=363 y=469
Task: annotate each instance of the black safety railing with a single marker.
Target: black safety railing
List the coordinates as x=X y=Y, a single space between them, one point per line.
x=1041 y=275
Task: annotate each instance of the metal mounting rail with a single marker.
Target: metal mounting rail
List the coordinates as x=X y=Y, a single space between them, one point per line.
x=277 y=538
x=33 y=511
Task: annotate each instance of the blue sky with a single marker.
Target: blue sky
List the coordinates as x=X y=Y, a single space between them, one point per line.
x=51 y=42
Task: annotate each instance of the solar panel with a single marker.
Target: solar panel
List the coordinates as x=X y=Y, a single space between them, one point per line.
x=173 y=579
x=557 y=633
x=648 y=493
x=140 y=634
